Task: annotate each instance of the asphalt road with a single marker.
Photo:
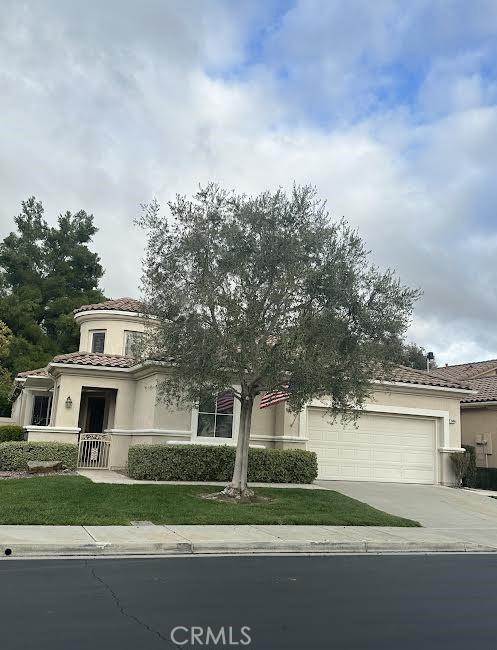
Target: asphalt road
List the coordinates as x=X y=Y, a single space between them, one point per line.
x=383 y=602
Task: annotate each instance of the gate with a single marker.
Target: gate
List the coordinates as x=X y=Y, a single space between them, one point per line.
x=94 y=451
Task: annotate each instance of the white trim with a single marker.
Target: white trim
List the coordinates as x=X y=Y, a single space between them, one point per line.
x=34 y=427
x=424 y=386
x=111 y=312
x=268 y=438
x=451 y=450
x=477 y=404
x=149 y=432
x=234 y=429
x=145 y=365
x=303 y=424
x=403 y=410
x=213 y=442
x=87 y=366
x=442 y=431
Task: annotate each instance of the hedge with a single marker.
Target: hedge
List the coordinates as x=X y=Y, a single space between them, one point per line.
x=14 y=456
x=216 y=463
x=11 y=432
x=470 y=478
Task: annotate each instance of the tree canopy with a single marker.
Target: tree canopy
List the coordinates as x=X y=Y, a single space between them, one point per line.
x=265 y=291
x=414 y=356
x=45 y=272
x=5 y=379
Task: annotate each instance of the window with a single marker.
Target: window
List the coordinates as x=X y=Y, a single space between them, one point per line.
x=41 y=410
x=215 y=416
x=132 y=343
x=98 y=342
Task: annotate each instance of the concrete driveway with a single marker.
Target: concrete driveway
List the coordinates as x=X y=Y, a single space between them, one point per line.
x=434 y=506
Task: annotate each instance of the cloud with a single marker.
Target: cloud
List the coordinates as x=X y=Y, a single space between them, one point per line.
x=389 y=109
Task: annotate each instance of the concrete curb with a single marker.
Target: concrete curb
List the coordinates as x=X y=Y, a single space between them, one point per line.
x=18 y=550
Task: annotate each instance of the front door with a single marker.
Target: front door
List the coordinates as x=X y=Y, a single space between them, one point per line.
x=95 y=414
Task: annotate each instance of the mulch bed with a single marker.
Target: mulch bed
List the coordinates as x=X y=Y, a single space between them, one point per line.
x=65 y=472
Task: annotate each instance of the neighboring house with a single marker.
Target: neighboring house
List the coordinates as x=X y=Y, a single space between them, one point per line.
x=478 y=411
x=407 y=430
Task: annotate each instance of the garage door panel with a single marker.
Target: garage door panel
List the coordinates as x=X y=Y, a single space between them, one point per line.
x=418 y=475
x=387 y=456
x=381 y=447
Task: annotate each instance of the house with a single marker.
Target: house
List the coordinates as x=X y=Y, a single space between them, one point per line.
x=405 y=433
x=478 y=411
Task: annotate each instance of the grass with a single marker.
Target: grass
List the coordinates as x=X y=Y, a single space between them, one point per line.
x=75 y=500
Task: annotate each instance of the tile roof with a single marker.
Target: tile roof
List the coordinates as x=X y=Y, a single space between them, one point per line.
x=401 y=374
x=94 y=359
x=486 y=387
x=119 y=304
x=465 y=370
x=407 y=375
x=38 y=372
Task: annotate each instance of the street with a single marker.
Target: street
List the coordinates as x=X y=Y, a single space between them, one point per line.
x=428 y=601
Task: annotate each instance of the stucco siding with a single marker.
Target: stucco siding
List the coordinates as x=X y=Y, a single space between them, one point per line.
x=477 y=421
x=410 y=398
x=144 y=406
x=70 y=385
x=172 y=418
x=263 y=420
x=114 y=332
x=52 y=436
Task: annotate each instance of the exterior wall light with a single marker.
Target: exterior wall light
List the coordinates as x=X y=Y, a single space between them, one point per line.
x=68 y=402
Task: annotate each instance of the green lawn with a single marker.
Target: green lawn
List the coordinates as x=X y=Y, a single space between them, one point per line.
x=74 y=500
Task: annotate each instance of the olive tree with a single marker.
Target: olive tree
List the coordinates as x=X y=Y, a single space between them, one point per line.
x=252 y=293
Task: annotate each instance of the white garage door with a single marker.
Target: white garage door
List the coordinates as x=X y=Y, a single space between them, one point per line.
x=393 y=448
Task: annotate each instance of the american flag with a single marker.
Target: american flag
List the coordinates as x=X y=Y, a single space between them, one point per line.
x=225 y=402
x=274 y=397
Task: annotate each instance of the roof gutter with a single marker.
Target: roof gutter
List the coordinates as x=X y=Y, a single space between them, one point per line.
x=402 y=384
x=113 y=312
x=87 y=366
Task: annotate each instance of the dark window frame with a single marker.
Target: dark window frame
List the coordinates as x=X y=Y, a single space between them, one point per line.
x=40 y=416
x=102 y=335
x=224 y=417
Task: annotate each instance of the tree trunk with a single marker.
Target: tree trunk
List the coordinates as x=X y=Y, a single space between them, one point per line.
x=238 y=488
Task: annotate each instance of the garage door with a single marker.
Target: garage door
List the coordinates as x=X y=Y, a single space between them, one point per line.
x=383 y=447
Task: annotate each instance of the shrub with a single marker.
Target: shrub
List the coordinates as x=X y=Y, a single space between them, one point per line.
x=14 y=456
x=460 y=464
x=469 y=479
x=11 y=432
x=216 y=463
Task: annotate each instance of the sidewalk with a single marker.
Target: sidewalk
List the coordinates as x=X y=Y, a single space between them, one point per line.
x=454 y=520
x=147 y=539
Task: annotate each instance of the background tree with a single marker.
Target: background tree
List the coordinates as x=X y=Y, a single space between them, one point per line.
x=260 y=292
x=5 y=378
x=414 y=356
x=45 y=273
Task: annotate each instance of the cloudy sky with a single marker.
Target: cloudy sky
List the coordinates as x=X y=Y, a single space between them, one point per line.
x=389 y=108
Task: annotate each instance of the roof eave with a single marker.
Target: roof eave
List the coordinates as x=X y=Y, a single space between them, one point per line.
x=109 y=313
x=405 y=384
